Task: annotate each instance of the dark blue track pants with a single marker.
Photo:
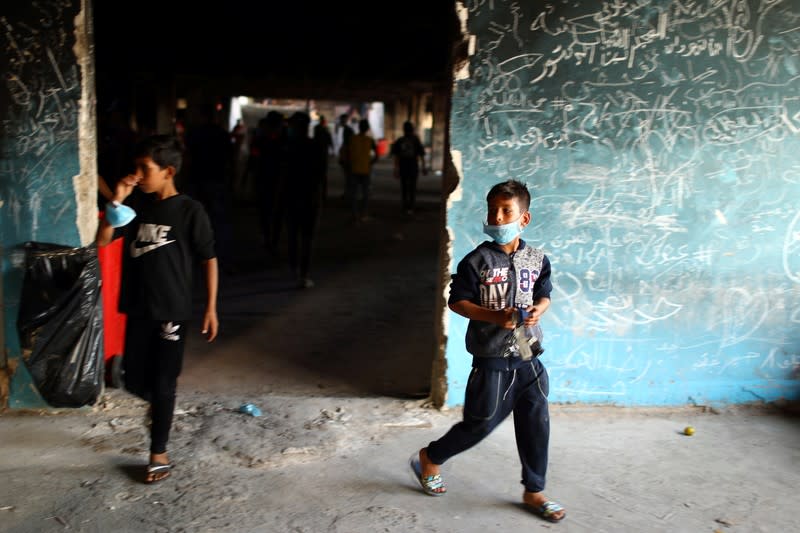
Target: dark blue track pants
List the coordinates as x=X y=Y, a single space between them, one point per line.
x=490 y=397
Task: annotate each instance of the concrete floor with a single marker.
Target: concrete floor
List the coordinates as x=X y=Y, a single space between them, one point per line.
x=341 y=373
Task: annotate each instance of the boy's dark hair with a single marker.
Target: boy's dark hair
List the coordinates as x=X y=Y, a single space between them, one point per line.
x=408 y=127
x=165 y=150
x=363 y=125
x=511 y=189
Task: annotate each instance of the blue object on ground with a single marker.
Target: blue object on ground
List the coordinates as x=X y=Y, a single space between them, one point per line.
x=249 y=409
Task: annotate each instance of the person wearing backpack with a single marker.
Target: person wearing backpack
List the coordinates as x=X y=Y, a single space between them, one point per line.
x=409 y=158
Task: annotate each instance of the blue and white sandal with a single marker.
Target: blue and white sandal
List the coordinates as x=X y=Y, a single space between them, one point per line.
x=548 y=511
x=432 y=485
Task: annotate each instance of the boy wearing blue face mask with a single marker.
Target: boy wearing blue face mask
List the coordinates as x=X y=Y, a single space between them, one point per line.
x=491 y=284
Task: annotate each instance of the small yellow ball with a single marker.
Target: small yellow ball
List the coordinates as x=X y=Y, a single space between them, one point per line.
x=688 y=430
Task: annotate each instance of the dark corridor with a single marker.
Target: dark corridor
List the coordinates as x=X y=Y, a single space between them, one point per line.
x=367 y=327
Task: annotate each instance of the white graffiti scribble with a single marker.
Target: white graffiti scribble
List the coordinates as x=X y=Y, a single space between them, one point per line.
x=43 y=85
x=659 y=142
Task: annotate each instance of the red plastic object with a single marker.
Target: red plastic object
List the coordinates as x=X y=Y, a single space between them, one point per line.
x=382 y=147
x=110 y=259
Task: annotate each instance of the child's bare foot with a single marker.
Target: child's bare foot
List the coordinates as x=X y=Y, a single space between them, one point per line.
x=428 y=468
x=159 y=468
x=427 y=474
x=538 y=503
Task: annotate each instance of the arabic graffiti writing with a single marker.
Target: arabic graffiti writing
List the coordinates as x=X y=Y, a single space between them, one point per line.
x=39 y=95
x=659 y=142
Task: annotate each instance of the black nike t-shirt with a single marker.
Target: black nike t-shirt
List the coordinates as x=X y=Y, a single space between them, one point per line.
x=161 y=247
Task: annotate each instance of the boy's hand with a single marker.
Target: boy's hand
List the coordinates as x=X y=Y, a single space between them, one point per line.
x=125 y=187
x=536 y=311
x=507 y=318
x=210 y=325
x=533 y=316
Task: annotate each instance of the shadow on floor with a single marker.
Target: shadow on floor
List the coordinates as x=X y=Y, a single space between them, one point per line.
x=365 y=328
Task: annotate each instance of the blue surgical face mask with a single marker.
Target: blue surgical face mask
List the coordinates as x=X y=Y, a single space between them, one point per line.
x=504 y=233
x=118 y=214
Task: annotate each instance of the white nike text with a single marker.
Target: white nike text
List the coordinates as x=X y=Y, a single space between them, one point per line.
x=153 y=233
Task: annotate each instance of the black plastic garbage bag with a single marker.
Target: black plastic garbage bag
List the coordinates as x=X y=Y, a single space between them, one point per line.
x=60 y=322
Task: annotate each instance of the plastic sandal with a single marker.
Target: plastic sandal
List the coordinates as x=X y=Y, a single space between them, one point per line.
x=548 y=510
x=432 y=485
x=156 y=469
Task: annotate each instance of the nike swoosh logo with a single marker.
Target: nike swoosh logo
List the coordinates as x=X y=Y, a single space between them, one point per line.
x=136 y=252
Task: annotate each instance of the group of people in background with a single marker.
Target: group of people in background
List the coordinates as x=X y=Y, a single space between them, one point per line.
x=290 y=172
x=358 y=153
x=287 y=160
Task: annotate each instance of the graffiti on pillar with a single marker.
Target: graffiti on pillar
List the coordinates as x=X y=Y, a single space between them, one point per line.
x=659 y=140
x=39 y=96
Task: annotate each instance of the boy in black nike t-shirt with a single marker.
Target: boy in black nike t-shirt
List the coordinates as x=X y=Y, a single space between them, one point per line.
x=169 y=231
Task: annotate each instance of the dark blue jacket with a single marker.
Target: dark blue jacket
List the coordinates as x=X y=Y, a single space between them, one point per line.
x=491 y=278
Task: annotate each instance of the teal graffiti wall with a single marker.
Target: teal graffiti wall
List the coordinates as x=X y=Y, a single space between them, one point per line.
x=39 y=97
x=660 y=142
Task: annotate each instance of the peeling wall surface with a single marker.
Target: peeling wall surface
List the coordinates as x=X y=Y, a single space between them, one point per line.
x=659 y=140
x=39 y=95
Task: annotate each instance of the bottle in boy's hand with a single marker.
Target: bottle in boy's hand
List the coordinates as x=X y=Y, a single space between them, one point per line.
x=527 y=338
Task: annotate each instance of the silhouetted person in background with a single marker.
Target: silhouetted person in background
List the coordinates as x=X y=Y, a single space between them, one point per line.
x=209 y=162
x=238 y=139
x=238 y=133
x=409 y=158
x=363 y=152
x=269 y=155
x=343 y=136
x=305 y=171
x=324 y=140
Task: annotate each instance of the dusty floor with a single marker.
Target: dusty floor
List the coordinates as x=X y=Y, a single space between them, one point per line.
x=341 y=373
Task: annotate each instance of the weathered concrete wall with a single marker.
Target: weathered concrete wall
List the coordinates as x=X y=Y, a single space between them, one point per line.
x=659 y=140
x=48 y=177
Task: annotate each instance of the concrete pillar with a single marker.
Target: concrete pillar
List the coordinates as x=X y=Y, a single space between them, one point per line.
x=48 y=182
